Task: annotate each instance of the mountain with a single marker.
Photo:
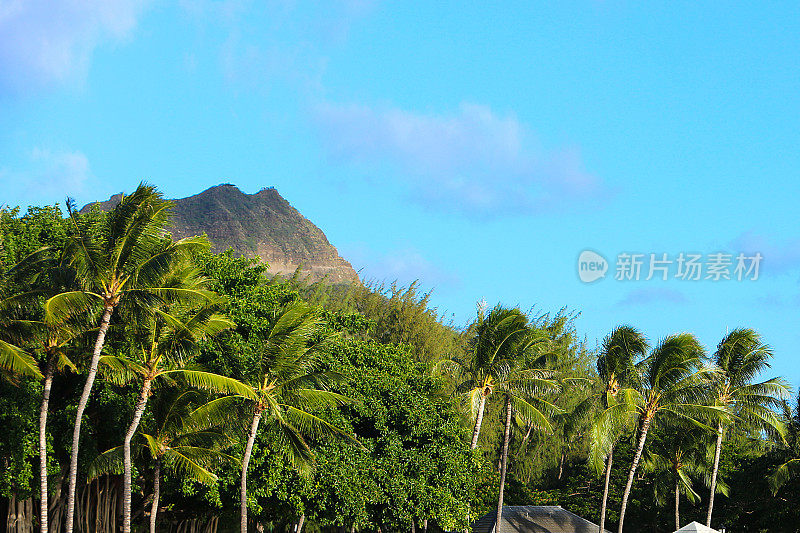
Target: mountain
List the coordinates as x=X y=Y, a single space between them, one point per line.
x=263 y=224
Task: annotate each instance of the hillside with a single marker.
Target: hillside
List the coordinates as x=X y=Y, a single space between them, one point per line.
x=262 y=224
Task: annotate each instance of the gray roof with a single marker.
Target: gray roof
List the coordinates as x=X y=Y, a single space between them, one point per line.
x=535 y=519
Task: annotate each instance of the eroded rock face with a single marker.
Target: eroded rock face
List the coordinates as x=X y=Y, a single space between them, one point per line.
x=262 y=224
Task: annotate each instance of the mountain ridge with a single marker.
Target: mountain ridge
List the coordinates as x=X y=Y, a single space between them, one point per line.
x=262 y=225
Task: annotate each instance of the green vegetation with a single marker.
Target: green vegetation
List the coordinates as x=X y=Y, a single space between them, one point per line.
x=153 y=384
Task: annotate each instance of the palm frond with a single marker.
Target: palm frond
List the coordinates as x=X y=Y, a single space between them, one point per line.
x=109 y=462
x=67 y=305
x=783 y=474
x=18 y=361
x=214 y=382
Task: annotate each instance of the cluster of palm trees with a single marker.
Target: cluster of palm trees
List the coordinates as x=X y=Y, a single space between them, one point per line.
x=672 y=389
x=118 y=275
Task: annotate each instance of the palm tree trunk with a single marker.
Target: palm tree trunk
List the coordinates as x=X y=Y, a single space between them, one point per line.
x=677 y=504
x=605 y=489
x=156 y=495
x=44 y=500
x=714 y=475
x=632 y=472
x=251 y=438
x=561 y=466
x=126 y=450
x=503 y=466
x=478 y=420
x=76 y=432
x=301 y=522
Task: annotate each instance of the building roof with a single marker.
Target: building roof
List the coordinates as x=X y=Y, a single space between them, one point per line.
x=695 y=527
x=534 y=519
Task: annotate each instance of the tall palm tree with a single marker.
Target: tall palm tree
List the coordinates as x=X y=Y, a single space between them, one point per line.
x=287 y=384
x=186 y=438
x=163 y=349
x=53 y=343
x=118 y=258
x=741 y=356
x=494 y=343
x=51 y=339
x=674 y=386
x=617 y=377
x=524 y=382
x=677 y=458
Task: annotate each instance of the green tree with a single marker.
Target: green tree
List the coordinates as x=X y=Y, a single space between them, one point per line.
x=616 y=376
x=119 y=257
x=498 y=339
x=791 y=467
x=523 y=383
x=675 y=459
x=674 y=388
x=286 y=385
x=51 y=338
x=163 y=349
x=186 y=437
x=741 y=356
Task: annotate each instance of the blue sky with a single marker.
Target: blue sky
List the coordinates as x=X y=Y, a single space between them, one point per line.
x=478 y=148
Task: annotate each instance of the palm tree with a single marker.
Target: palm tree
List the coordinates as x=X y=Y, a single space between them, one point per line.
x=741 y=356
x=523 y=382
x=495 y=341
x=186 y=437
x=616 y=375
x=676 y=458
x=53 y=342
x=286 y=385
x=50 y=338
x=120 y=257
x=164 y=345
x=674 y=387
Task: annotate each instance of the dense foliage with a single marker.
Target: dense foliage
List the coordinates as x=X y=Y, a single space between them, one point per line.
x=396 y=454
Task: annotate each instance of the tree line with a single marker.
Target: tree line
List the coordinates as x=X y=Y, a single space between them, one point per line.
x=151 y=384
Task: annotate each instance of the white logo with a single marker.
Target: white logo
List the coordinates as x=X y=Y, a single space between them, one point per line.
x=591 y=266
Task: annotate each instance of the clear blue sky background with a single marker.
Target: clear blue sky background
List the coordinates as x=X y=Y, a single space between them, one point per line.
x=477 y=148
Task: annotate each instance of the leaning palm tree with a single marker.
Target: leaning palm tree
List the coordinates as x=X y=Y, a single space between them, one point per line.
x=741 y=356
x=164 y=346
x=119 y=259
x=674 y=386
x=524 y=383
x=286 y=385
x=617 y=377
x=676 y=459
x=494 y=343
x=186 y=438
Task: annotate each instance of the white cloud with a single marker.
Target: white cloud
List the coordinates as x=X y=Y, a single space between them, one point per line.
x=47 y=176
x=474 y=161
x=47 y=41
